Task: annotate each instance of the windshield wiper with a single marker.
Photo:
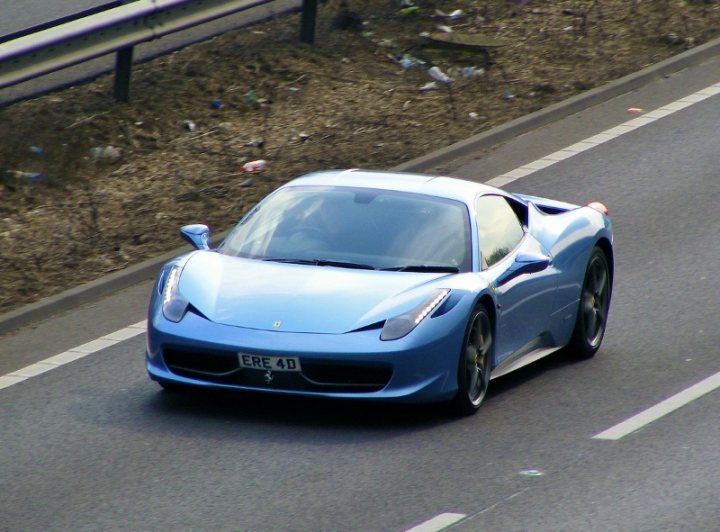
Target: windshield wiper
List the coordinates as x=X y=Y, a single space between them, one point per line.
x=423 y=268
x=323 y=262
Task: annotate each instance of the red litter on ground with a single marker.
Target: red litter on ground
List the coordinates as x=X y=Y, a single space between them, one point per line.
x=635 y=110
x=254 y=166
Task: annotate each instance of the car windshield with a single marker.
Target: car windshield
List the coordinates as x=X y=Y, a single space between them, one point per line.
x=355 y=228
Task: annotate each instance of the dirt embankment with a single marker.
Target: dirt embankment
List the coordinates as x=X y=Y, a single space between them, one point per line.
x=88 y=186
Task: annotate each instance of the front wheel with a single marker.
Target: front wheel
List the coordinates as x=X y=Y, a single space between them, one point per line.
x=474 y=364
x=592 y=313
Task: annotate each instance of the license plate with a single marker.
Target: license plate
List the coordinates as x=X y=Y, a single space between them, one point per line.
x=269 y=362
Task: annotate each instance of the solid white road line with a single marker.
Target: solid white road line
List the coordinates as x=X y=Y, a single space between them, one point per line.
x=605 y=136
x=70 y=355
x=661 y=409
x=437 y=523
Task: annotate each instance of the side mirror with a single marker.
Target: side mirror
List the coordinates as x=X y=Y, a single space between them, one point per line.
x=197 y=234
x=525 y=263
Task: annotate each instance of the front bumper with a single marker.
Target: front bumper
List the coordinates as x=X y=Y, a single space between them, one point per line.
x=422 y=367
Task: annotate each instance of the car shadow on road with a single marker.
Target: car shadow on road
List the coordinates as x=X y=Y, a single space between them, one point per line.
x=278 y=410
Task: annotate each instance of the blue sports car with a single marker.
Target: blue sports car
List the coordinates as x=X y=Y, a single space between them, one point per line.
x=382 y=286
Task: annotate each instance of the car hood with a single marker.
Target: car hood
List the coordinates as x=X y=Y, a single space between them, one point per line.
x=298 y=298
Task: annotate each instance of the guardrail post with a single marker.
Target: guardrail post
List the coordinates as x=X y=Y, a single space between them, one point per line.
x=123 y=69
x=307 y=21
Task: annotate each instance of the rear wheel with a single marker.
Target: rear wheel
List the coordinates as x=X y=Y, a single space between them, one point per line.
x=592 y=314
x=474 y=364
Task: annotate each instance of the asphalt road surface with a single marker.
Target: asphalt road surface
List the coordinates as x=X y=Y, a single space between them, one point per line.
x=94 y=444
x=18 y=15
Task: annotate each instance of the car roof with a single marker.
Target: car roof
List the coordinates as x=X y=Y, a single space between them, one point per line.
x=433 y=185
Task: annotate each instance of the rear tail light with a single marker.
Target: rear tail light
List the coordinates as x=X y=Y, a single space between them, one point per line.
x=600 y=207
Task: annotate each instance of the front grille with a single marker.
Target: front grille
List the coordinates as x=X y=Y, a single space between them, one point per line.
x=201 y=364
x=348 y=376
x=222 y=367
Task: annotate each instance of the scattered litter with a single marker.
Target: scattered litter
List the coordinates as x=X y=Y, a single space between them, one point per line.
x=107 y=153
x=294 y=90
x=379 y=145
x=255 y=143
x=251 y=99
x=444 y=29
x=385 y=43
x=410 y=10
x=407 y=61
x=508 y=96
x=634 y=110
x=473 y=115
x=439 y=75
x=469 y=72
x=216 y=104
x=407 y=3
x=473 y=72
x=247 y=183
x=303 y=136
x=37 y=150
x=189 y=125
x=568 y=28
x=429 y=86
x=532 y=473
x=32 y=176
x=254 y=166
x=454 y=15
x=406 y=105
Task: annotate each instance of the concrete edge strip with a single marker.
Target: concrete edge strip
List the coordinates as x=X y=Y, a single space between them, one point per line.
x=50 y=306
x=81 y=351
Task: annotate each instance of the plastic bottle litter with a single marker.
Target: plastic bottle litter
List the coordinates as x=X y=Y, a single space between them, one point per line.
x=410 y=10
x=189 y=125
x=254 y=166
x=473 y=115
x=247 y=183
x=439 y=75
x=472 y=72
x=37 y=150
x=429 y=86
x=407 y=61
x=216 y=104
x=444 y=29
x=508 y=96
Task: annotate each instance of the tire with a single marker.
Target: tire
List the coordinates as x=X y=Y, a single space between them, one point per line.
x=474 y=363
x=591 y=319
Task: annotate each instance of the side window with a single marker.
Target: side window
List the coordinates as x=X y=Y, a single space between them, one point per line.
x=499 y=228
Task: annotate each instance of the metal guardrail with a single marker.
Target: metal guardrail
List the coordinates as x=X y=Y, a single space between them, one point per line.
x=118 y=30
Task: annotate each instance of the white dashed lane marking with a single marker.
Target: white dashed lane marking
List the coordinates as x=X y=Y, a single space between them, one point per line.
x=71 y=355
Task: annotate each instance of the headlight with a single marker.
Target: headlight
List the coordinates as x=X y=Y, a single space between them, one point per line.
x=401 y=325
x=174 y=304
